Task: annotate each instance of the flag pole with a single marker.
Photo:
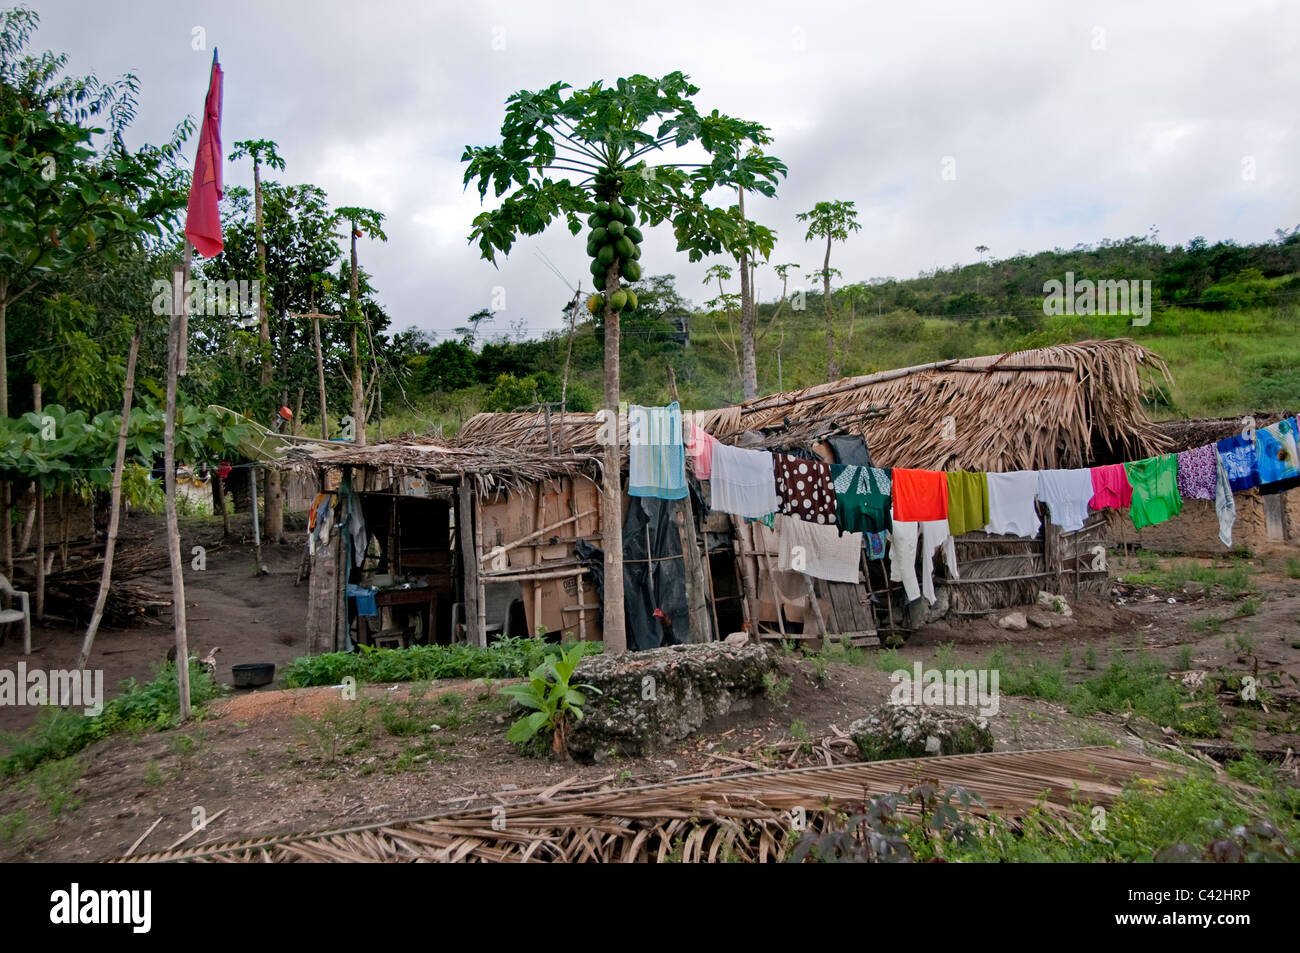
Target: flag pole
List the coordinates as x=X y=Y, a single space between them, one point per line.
x=176 y=348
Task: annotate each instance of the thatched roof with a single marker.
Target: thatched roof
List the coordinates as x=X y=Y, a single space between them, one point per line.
x=490 y=467
x=1062 y=406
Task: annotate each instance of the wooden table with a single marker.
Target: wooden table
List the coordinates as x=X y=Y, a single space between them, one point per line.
x=425 y=596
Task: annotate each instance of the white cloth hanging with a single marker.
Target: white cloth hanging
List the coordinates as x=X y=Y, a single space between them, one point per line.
x=743 y=482
x=1011 y=503
x=818 y=549
x=1066 y=494
x=931 y=535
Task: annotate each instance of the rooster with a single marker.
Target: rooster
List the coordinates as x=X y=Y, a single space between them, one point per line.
x=666 y=624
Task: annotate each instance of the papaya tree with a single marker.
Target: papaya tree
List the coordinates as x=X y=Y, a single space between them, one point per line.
x=263 y=152
x=361 y=221
x=637 y=153
x=832 y=221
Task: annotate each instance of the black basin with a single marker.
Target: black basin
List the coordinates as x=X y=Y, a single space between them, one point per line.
x=253 y=674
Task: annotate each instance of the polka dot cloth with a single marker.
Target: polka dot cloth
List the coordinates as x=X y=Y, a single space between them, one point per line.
x=804 y=487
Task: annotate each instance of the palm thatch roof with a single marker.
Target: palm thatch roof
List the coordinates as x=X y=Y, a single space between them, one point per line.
x=1062 y=406
x=490 y=467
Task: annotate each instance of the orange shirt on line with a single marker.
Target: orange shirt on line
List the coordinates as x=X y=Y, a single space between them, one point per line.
x=920 y=495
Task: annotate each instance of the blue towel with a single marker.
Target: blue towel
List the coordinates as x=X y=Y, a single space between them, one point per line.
x=365 y=597
x=656 y=460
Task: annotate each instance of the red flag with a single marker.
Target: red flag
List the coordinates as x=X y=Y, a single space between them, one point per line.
x=203 y=221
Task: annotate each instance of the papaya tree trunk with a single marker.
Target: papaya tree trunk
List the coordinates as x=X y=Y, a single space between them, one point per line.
x=831 y=369
x=611 y=499
x=358 y=393
x=749 y=358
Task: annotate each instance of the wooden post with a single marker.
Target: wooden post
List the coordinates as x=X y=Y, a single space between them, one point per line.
x=469 y=563
x=40 y=523
x=320 y=378
x=316 y=317
x=696 y=583
x=175 y=348
x=257 y=534
x=815 y=606
x=63 y=528
x=115 y=511
x=477 y=511
x=771 y=575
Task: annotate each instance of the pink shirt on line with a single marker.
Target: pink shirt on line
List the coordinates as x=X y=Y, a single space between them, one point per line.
x=1110 y=488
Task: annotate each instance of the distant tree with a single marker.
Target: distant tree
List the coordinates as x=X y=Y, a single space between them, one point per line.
x=832 y=221
x=368 y=222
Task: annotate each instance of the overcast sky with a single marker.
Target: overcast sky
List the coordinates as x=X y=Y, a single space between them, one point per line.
x=1063 y=122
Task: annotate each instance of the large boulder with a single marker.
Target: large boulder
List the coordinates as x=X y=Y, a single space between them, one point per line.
x=651 y=699
x=912 y=731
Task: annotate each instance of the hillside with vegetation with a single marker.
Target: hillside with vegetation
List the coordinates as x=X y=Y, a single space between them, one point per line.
x=1223 y=317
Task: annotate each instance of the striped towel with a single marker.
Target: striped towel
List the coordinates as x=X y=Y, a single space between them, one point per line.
x=656 y=463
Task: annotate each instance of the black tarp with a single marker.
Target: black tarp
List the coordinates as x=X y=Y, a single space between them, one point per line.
x=651 y=580
x=850 y=449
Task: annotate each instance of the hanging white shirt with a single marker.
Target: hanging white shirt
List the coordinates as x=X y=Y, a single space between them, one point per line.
x=743 y=482
x=1011 y=503
x=1066 y=494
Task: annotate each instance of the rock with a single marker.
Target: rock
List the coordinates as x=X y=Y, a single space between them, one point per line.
x=737 y=638
x=1193 y=588
x=1015 y=621
x=651 y=699
x=912 y=731
x=1056 y=604
x=1048 y=620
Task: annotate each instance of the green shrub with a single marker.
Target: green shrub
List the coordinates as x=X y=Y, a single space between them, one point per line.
x=60 y=732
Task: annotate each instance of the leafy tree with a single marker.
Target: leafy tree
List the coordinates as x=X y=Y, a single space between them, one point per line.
x=567 y=152
x=63 y=196
x=832 y=221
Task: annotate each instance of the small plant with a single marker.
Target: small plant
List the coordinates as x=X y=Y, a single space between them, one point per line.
x=1247 y=607
x=1184 y=661
x=820 y=671
x=1246 y=644
x=1293 y=568
x=338 y=724
x=1067 y=657
x=776 y=688
x=1090 y=658
x=557 y=703
x=945 y=656
x=889 y=661
x=799 y=730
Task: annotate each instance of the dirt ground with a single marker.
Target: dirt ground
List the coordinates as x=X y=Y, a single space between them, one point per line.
x=276 y=761
x=251 y=618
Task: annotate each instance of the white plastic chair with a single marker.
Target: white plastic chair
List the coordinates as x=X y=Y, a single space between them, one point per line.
x=11 y=594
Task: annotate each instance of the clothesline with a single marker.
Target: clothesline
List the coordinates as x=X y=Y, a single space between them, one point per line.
x=816 y=503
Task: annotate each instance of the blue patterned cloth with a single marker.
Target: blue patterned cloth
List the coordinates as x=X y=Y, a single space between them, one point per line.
x=656 y=464
x=1238 y=456
x=1275 y=447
